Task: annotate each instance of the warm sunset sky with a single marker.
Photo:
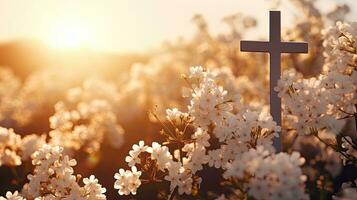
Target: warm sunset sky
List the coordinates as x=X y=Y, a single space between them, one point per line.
x=125 y=25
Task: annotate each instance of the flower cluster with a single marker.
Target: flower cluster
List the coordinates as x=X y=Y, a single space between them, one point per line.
x=12 y=196
x=161 y=162
x=86 y=118
x=325 y=103
x=270 y=175
x=22 y=101
x=319 y=102
x=9 y=86
x=143 y=89
x=14 y=149
x=127 y=181
x=306 y=104
x=53 y=178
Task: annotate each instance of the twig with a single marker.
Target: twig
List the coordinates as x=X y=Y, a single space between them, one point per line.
x=347 y=156
x=293 y=140
x=163 y=124
x=347 y=113
x=173 y=194
x=348 y=141
x=356 y=117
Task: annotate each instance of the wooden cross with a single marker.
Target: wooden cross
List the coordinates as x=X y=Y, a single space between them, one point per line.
x=274 y=47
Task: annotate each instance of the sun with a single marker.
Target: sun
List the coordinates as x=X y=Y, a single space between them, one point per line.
x=70 y=34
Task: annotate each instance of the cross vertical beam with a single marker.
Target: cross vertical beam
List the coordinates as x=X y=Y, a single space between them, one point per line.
x=275 y=72
x=275 y=101
x=274 y=47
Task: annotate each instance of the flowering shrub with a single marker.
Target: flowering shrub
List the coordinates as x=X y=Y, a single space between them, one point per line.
x=325 y=103
x=244 y=143
x=14 y=149
x=90 y=119
x=217 y=133
x=53 y=179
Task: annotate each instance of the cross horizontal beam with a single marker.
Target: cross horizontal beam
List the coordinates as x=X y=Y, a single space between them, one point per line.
x=294 y=47
x=281 y=47
x=254 y=46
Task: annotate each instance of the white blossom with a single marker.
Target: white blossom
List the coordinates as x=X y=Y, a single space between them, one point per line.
x=127 y=181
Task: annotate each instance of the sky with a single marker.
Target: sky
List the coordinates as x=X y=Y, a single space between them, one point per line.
x=126 y=25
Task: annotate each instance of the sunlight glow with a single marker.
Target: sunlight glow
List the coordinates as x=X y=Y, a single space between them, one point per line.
x=70 y=34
